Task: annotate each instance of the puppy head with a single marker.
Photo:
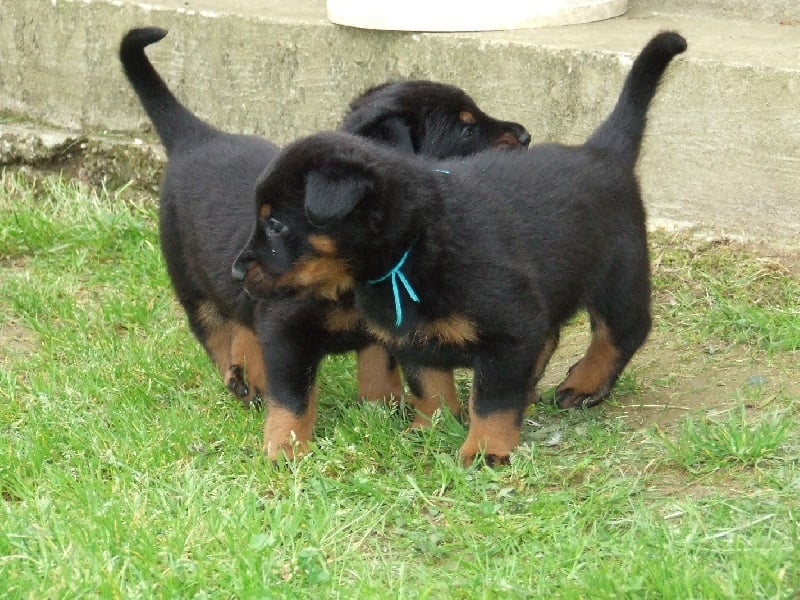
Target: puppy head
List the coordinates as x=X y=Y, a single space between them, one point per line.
x=321 y=203
x=434 y=119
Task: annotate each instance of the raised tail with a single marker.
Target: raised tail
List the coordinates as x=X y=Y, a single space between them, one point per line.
x=622 y=131
x=174 y=123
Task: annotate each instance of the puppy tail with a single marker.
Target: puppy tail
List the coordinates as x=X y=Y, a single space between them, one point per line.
x=622 y=131
x=174 y=123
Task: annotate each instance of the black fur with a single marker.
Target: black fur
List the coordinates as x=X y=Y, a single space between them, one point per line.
x=502 y=249
x=207 y=204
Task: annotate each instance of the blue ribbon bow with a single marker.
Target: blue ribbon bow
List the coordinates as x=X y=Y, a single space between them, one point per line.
x=395 y=274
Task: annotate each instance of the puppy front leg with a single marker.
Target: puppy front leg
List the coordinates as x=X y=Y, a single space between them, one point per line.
x=498 y=400
x=288 y=431
x=291 y=402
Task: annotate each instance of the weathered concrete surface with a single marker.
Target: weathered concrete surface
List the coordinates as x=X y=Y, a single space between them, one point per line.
x=785 y=12
x=722 y=148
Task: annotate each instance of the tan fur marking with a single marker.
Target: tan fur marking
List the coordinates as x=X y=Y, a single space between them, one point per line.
x=258 y=281
x=550 y=345
x=496 y=434
x=592 y=371
x=340 y=320
x=377 y=381
x=438 y=389
x=218 y=339
x=544 y=357
x=264 y=211
x=286 y=433
x=209 y=316
x=467 y=117
x=507 y=139
x=382 y=335
x=326 y=277
x=246 y=351
x=323 y=244
x=455 y=329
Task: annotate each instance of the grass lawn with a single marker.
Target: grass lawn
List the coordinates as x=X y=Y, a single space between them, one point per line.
x=127 y=471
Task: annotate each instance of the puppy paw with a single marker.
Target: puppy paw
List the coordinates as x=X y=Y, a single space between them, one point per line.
x=290 y=449
x=286 y=433
x=492 y=436
x=489 y=459
x=570 y=398
x=236 y=382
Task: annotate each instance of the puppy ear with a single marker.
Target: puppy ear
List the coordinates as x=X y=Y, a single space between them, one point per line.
x=380 y=114
x=330 y=197
x=395 y=131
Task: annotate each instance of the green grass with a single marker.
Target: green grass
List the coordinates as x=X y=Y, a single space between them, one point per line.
x=127 y=471
x=735 y=296
x=707 y=443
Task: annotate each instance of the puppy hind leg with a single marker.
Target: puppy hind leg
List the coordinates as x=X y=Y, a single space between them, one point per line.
x=550 y=345
x=590 y=379
x=616 y=335
x=246 y=378
x=216 y=334
x=431 y=390
x=378 y=375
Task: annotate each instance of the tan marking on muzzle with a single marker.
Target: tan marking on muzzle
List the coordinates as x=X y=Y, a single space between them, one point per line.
x=327 y=277
x=257 y=281
x=507 y=139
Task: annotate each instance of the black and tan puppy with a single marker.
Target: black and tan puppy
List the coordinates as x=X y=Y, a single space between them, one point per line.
x=474 y=262
x=207 y=196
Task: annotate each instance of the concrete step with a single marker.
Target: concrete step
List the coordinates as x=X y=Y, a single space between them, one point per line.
x=722 y=149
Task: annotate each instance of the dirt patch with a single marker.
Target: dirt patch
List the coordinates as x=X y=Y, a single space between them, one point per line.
x=669 y=378
x=16 y=340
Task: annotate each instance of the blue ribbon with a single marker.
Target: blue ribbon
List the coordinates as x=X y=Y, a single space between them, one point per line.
x=395 y=274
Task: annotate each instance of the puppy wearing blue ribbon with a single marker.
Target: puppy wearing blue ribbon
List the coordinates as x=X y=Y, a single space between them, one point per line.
x=475 y=262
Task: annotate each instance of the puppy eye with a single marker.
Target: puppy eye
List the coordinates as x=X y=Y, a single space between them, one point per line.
x=467 y=131
x=275 y=227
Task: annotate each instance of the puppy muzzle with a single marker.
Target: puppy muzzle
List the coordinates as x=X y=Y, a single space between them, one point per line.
x=524 y=137
x=518 y=137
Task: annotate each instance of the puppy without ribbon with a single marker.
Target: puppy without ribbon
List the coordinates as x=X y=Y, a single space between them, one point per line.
x=207 y=207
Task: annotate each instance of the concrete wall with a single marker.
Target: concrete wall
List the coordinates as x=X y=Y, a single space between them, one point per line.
x=722 y=148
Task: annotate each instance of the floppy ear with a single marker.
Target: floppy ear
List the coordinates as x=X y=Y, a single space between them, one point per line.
x=395 y=131
x=331 y=196
x=379 y=114
x=388 y=125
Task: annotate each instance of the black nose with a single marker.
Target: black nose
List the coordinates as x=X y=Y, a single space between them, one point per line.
x=524 y=137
